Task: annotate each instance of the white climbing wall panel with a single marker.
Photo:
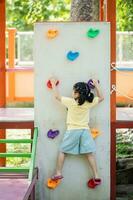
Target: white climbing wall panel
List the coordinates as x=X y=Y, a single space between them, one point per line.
x=93 y=62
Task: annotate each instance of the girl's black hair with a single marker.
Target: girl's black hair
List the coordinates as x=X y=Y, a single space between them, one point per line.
x=84 y=91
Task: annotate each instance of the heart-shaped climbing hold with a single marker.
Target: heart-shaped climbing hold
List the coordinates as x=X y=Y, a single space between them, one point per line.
x=92 y=33
x=72 y=55
x=49 y=85
x=52 y=134
x=52 y=33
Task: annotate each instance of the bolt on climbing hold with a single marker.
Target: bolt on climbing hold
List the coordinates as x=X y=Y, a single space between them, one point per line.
x=52 y=33
x=71 y=55
x=52 y=134
x=49 y=85
x=92 y=33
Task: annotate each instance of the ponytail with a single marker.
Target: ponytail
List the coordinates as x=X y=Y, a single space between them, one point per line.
x=90 y=97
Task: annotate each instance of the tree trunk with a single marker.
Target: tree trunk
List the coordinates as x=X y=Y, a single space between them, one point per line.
x=85 y=10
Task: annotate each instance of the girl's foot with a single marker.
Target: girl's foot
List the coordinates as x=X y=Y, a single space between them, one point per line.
x=57 y=177
x=92 y=183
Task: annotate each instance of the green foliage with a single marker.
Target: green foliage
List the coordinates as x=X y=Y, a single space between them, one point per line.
x=20 y=105
x=18 y=148
x=18 y=162
x=16 y=14
x=23 y=14
x=126 y=104
x=124 y=15
x=41 y=10
x=122 y=149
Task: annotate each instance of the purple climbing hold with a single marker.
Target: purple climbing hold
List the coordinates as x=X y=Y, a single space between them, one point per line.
x=90 y=84
x=52 y=134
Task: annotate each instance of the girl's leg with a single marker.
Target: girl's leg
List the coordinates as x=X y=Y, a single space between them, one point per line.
x=60 y=162
x=93 y=165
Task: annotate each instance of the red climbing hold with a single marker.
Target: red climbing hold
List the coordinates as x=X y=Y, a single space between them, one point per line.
x=92 y=183
x=49 y=85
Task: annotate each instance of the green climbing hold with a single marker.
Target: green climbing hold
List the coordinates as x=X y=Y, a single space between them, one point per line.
x=92 y=33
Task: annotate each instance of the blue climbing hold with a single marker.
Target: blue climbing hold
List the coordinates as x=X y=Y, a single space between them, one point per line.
x=72 y=55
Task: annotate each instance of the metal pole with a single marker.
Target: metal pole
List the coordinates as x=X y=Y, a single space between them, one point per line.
x=2 y=73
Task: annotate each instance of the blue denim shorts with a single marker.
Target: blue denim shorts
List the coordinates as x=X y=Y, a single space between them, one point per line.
x=78 y=141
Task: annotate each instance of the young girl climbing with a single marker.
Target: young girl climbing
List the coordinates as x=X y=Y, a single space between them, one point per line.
x=78 y=139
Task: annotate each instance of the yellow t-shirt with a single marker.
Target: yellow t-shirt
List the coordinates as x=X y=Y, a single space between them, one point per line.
x=78 y=116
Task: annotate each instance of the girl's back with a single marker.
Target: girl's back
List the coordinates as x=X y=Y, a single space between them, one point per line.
x=78 y=115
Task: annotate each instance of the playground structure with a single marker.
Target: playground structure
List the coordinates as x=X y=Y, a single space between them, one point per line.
x=84 y=54
x=107 y=12
x=18 y=182
x=22 y=67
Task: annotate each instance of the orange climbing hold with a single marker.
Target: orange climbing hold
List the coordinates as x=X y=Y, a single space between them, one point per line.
x=95 y=132
x=52 y=33
x=52 y=184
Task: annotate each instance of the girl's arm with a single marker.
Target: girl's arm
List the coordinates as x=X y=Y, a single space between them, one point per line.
x=55 y=90
x=98 y=91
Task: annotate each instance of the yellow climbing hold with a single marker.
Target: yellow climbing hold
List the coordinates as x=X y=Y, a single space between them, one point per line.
x=95 y=132
x=52 y=33
x=52 y=184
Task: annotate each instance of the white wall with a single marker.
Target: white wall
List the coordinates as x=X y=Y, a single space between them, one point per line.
x=93 y=62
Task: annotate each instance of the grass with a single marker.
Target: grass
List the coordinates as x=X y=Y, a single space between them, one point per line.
x=120 y=104
x=124 y=143
x=20 y=105
x=122 y=150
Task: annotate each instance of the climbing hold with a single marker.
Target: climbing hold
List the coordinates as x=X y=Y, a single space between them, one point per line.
x=95 y=132
x=72 y=55
x=52 y=33
x=90 y=84
x=92 y=33
x=52 y=184
x=52 y=134
x=49 y=85
x=92 y=183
